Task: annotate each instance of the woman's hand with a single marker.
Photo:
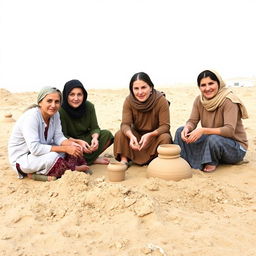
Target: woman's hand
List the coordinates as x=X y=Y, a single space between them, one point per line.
x=94 y=144
x=134 y=143
x=76 y=144
x=184 y=134
x=145 y=139
x=74 y=150
x=194 y=135
x=87 y=148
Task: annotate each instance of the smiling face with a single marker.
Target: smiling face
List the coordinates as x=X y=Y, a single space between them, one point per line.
x=208 y=87
x=75 y=97
x=141 y=90
x=49 y=105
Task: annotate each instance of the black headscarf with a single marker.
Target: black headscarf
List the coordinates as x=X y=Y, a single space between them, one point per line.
x=69 y=86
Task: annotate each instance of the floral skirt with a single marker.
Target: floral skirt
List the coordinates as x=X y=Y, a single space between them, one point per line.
x=63 y=164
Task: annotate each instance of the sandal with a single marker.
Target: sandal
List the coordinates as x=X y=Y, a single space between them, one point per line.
x=244 y=161
x=128 y=164
x=90 y=172
x=41 y=177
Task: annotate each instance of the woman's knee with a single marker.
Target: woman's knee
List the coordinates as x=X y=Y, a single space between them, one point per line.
x=118 y=134
x=37 y=163
x=165 y=138
x=51 y=158
x=179 y=130
x=214 y=140
x=178 y=134
x=106 y=133
x=54 y=155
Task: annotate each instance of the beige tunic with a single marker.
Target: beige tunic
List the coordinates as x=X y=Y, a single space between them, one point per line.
x=140 y=123
x=227 y=117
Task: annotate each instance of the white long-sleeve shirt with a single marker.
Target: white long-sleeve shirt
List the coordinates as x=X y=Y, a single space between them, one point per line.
x=28 y=135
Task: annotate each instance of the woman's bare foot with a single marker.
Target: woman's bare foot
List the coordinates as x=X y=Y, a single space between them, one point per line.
x=102 y=160
x=124 y=159
x=209 y=168
x=82 y=168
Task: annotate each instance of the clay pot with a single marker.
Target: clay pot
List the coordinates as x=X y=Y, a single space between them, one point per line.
x=8 y=118
x=116 y=171
x=169 y=165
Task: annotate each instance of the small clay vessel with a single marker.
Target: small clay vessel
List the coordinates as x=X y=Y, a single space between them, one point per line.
x=8 y=118
x=169 y=165
x=116 y=171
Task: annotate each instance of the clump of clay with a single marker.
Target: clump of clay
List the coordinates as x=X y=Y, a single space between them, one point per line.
x=8 y=118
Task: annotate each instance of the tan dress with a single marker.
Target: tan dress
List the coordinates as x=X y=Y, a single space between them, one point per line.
x=158 y=118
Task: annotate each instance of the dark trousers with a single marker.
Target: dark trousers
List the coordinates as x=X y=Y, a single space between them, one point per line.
x=209 y=149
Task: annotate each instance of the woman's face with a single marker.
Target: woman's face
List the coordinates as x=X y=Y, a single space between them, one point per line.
x=208 y=87
x=141 y=90
x=50 y=104
x=75 y=97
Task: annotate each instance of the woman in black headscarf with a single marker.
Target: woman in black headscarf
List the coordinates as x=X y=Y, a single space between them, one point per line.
x=79 y=123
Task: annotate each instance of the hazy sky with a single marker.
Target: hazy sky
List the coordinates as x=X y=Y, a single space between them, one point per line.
x=104 y=42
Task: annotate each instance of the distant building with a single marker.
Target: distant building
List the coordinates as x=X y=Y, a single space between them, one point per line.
x=241 y=82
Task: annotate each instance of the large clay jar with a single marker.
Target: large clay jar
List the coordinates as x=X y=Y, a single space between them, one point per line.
x=116 y=171
x=169 y=165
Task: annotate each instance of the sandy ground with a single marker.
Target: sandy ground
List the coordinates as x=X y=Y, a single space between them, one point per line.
x=209 y=214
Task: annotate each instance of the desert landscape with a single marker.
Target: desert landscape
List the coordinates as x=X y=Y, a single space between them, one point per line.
x=210 y=214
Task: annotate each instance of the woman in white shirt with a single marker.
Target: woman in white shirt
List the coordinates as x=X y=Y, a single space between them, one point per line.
x=37 y=144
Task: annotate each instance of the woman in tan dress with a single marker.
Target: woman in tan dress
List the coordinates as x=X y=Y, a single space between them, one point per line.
x=145 y=123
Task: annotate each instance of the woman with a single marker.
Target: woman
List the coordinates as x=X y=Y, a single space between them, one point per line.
x=79 y=123
x=221 y=137
x=37 y=144
x=145 y=123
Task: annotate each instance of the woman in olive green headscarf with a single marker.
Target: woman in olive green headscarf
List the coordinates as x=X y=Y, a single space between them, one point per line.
x=37 y=147
x=221 y=137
